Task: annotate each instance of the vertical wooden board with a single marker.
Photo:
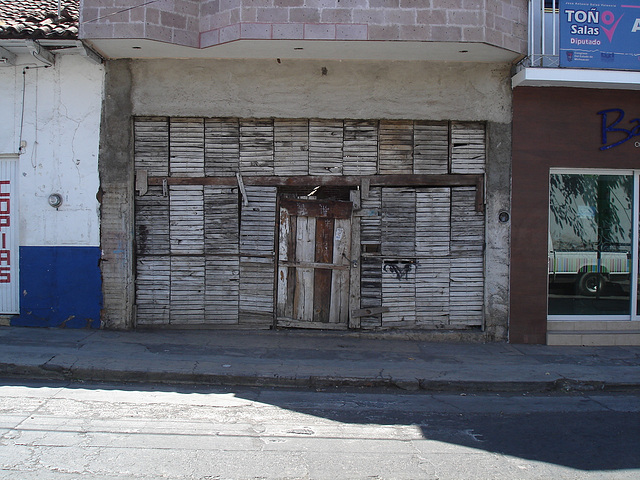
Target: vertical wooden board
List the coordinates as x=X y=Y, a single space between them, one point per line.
x=360 y=147
x=322 y=276
x=468 y=147
x=221 y=229
x=152 y=223
x=326 y=138
x=256 y=146
x=222 y=290
x=291 y=143
x=187 y=219
x=355 y=261
x=433 y=221
x=370 y=221
x=305 y=252
x=467 y=259
x=467 y=224
x=432 y=291
x=151 y=145
x=398 y=222
x=187 y=290
x=258 y=222
x=339 y=310
x=153 y=283
x=284 y=234
x=395 y=147
x=399 y=293
x=371 y=290
x=186 y=147
x=221 y=147
x=256 y=287
x=431 y=148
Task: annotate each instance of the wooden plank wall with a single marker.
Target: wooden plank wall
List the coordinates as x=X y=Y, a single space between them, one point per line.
x=206 y=254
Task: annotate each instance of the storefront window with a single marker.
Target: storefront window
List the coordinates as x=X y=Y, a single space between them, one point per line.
x=590 y=231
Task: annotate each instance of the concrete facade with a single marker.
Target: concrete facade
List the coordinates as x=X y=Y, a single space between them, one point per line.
x=313 y=89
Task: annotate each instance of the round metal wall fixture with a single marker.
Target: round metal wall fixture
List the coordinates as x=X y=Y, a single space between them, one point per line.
x=503 y=217
x=55 y=200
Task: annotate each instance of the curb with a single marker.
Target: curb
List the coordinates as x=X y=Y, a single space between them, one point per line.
x=563 y=385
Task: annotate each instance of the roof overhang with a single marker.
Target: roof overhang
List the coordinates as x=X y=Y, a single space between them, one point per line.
x=308 y=49
x=43 y=51
x=576 y=77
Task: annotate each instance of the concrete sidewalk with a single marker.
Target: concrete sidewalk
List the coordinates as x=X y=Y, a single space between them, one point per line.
x=311 y=359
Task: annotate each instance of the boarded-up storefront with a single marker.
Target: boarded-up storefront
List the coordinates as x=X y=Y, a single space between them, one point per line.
x=309 y=223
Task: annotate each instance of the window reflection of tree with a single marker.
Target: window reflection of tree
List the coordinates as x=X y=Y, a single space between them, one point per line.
x=610 y=227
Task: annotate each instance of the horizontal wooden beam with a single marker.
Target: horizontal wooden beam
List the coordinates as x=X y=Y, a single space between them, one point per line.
x=408 y=180
x=405 y=180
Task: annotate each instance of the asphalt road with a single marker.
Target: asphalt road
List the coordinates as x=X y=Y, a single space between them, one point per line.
x=97 y=431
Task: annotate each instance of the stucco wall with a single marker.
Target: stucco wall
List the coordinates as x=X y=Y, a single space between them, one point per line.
x=61 y=129
x=261 y=88
x=313 y=89
x=59 y=126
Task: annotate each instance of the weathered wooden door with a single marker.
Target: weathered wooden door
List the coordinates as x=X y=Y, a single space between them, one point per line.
x=313 y=263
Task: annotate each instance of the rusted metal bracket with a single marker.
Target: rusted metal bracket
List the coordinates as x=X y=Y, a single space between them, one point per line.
x=245 y=199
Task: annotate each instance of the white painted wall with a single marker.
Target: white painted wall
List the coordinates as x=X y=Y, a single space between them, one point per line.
x=61 y=128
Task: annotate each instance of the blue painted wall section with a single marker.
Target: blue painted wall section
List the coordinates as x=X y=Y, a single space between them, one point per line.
x=59 y=287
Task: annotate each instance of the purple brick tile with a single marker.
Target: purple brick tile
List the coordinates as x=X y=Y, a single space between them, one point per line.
x=257 y=3
x=444 y=33
x=432 y=17
x=185 y=37
x=504 y=25
x=186 y=7
x=447 y=4
x=173 y=20
x=89 y=14
x=235 y=16
x=336 y=15
x=414 y=3
x=210 y=38
x=304 y=15
x=319 y=31
x=473 y=34
x=384 y=3
x=400 y=17
x=368 y=16
x=113 y=15
x=230 y=33
x=273 y=15
x=493 y=37
x=228 y=4
x=152 y=15
x=249 y=14
x=220 y=20
x=129 y=30
x=96 y=30
x=288 y=3
x=463 y=17
x=351 y=32
x=384 y=32
x=155 y=32
x=472 y=4
x=210 y=7
x=288 y=31
x=255 y=31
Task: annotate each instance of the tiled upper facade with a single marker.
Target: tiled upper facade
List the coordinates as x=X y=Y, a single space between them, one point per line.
x=206 y=23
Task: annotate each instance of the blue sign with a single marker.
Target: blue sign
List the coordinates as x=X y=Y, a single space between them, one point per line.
x=600 y=34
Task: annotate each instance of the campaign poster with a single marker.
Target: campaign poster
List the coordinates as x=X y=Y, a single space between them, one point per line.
x=600 y=34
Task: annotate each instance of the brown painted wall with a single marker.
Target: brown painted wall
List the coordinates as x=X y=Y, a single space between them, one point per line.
x=554 y=127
